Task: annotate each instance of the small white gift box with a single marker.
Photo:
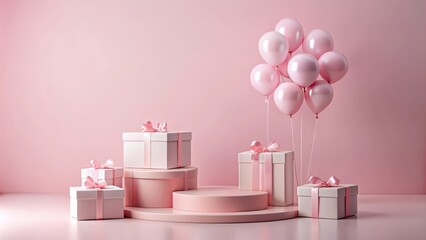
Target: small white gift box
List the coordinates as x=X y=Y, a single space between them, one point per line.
x=331 y=202
x=272 y=172
x=161 y=150
x=111 y=175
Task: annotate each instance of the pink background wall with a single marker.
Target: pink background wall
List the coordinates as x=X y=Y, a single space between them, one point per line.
x=74 y=75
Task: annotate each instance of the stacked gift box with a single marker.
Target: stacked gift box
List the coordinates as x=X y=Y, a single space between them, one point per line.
x=100 y=195
x=157 y=163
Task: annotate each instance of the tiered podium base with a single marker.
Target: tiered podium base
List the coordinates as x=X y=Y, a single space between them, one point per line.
x=215 y=205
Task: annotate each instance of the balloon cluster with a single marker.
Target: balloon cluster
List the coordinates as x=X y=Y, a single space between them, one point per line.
x=318 y=58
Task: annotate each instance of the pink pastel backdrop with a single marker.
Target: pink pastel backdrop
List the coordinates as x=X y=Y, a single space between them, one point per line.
x=75 y=74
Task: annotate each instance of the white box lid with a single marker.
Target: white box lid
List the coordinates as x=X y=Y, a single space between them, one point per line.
x=90 y=193
x=339 y=191
x=277 y=157
x=157 y=136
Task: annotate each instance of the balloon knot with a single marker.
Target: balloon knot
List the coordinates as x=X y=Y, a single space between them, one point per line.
x=266 y=99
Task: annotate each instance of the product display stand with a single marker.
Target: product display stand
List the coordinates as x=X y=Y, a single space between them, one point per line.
x=215 y=205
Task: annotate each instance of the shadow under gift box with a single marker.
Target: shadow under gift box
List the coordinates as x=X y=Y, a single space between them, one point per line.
x=333 y=202
x=153 y=188
x=95 y=203
x=282 y=175
x=161 y=150
x=112 y=176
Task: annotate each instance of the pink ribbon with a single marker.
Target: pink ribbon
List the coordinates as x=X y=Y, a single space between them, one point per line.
x=148 y=127
x=179 y=151
x=257 y=147
x=319 y=183
x=90 y=183
x=262 y=174
x=107 y=164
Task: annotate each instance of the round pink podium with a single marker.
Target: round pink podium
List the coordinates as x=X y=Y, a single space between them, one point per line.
x=219 y=199
x=215 y=205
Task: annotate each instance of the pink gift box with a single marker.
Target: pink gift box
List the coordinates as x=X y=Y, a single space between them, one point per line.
x=332 y=202
x=153 y=188
x=277 y=181
x=113 y=176
x=161 y=150
x=95 y=203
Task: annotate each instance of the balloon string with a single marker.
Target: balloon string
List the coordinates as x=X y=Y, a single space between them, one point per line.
x=312 y=148
x=292 y=138
x=301 y=144
x=267 y=120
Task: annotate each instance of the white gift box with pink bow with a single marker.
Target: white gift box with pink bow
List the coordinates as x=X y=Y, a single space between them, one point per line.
x=327 y=199
x=96 y=200
x=105 y=171
x=267 y=169
x=155 y=147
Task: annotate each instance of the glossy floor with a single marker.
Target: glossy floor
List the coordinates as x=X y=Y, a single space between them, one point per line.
x=28 y=216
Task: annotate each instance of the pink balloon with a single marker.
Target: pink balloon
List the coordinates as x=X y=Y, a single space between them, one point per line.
x=318 y=96
x=292 y=31
x=273 y=48
x=288 y=97
x=318 y=42
x=333 y=66
x=303 y=69
x=264 y=78
x=283 y=66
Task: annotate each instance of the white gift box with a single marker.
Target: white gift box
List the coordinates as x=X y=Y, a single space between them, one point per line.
x=161 y=150
x=95 y=203
x=281 y=192
x=332 y=202
x=112 y=176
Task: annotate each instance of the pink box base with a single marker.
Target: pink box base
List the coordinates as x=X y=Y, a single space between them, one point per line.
x=154 y=188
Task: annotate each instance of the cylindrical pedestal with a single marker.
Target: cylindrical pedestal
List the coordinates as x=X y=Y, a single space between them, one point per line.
x=153 y=188
x=219 y=199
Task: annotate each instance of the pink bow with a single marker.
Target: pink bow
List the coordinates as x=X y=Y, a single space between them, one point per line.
x=331 y=182
x=96 y=165
x=89 y=183
x=257 y=147
x=148 y=127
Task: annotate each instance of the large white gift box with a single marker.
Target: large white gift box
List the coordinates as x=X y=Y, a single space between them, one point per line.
x=272 y=172
x=161 y=150
x=331 y=202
